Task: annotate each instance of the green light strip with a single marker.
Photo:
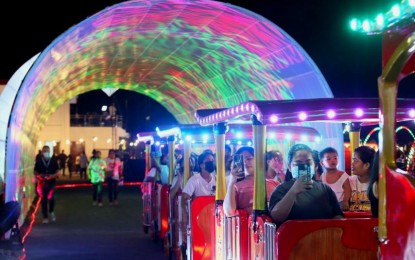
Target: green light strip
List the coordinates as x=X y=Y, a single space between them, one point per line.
x=400 y=15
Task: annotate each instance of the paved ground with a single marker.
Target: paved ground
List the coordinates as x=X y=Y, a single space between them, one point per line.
x=86 y=232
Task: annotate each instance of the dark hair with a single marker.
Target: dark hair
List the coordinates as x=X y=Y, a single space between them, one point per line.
x=248 y=149
x=327 y=150
x=94 y=155
x=366 y=154
x=317 y=161
x=228 y=147
x=202 y=156
x=373 y=177
x=295 y=148
x=271 y=155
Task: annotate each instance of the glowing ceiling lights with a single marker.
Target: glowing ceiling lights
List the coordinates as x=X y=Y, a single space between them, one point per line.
x=400 y=15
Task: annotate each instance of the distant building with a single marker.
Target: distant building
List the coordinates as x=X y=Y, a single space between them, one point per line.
x=76 y=133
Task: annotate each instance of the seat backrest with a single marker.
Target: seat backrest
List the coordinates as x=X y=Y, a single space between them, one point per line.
x=349 y=238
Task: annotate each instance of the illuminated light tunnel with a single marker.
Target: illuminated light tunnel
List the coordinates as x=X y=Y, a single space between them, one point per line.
x=184 y=54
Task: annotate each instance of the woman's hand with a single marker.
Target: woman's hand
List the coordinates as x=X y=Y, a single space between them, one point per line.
x=300 y=185
x=234 y=174
x=345 y=205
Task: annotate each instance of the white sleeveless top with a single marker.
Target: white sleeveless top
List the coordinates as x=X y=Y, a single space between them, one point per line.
x=337 y=187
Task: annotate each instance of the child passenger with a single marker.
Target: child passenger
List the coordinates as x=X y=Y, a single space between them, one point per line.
x=336 y=179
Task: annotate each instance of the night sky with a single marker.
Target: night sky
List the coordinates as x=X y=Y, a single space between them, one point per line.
x=350 y=62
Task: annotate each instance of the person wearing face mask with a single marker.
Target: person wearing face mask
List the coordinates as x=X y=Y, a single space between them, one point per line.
x=202 y=184
x=301 y=197
x=46 y=171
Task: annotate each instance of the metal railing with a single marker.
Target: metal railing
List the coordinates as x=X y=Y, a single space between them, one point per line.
x=94 y=120
x=269 y=252
x=232 y=238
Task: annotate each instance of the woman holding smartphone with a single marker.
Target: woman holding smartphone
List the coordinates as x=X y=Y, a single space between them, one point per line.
x=240 y=194
x=301 y=197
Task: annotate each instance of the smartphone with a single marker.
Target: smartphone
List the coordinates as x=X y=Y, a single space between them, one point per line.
x=304 y=169
x=238 y=162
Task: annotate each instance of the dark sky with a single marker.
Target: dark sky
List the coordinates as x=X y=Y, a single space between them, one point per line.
x=350 y=62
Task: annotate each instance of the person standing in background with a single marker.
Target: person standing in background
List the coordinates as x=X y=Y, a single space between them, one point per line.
x=62 y=157
x=96 y=173
x=46 y=171
x=83 y=164
x=113 y=174
x=77 y=163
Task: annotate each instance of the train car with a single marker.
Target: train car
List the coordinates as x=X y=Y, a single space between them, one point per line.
x=396 y=220
x=265 y=240
x=148 y=188
x=231 y=233
x=178 y=243
x=197 y=236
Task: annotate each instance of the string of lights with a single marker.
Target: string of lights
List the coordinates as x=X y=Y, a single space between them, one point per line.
x=398 y=17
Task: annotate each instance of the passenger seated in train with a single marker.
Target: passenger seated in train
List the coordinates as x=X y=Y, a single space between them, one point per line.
x=160 y=170
x=361 y=166
x=301 y=197
x=203 y=184
x=336 y=179
x=228 y=159
x=317 y=166
x=239 y=195
x=275 y=167
x=177 y=183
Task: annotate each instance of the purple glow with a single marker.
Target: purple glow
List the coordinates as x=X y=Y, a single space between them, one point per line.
x=331 y=114
x=412 y=113
x=274 y=119
x=358 y=112
x=302 y=116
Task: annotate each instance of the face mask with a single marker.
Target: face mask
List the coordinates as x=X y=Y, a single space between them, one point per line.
x=301 y=170
x=209 y=167
x=46 y=155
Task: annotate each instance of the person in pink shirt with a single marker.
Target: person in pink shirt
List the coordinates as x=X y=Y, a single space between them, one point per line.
x=240 y=195
x=275 y=167
x=113 y=173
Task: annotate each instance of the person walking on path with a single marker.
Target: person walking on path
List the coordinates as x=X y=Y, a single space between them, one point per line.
x=96 y=173
x=113 y=175
x=83 y=164
x=62 y=157
x=46 y=171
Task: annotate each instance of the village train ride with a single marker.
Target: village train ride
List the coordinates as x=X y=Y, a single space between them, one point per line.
x=208 y=233
x=200 y=229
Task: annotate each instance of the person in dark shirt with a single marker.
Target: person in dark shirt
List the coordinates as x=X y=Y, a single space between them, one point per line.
x=301 y=197
x=46 y=170
x=62 y=157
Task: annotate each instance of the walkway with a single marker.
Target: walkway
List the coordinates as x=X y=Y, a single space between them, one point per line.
x=86 y=232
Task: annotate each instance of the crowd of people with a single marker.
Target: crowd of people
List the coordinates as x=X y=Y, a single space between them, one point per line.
x=48 y=168
x=306 y=184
